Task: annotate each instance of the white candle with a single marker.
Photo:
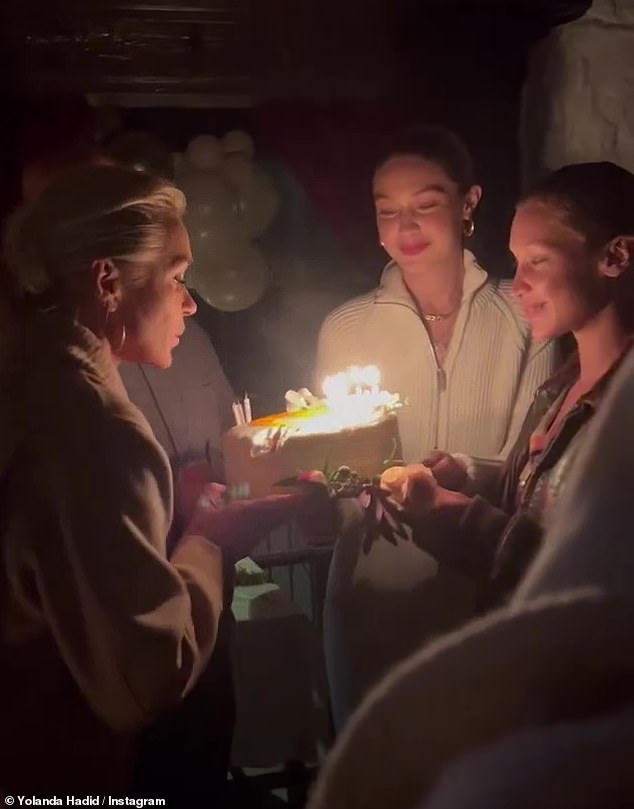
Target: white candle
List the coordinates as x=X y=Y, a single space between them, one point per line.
x=237 y=413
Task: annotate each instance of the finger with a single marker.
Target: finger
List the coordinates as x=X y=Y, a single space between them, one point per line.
x=218 y=490
x=420 y=494
x=445 y=465
x=434 y=458
x=195 y=472
x=267 y=513
x=240 y=525
x=213 y=495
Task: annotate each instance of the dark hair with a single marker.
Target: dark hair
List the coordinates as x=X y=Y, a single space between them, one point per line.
x=597 y=199
x=438 y=145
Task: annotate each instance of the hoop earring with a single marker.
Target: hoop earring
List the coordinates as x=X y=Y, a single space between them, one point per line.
x=468 y=228
x=121 y=342
x=117 y=349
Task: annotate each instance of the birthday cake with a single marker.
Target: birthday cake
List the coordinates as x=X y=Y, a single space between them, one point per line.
x=353 y=425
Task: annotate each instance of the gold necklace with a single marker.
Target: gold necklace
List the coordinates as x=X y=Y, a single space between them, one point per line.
x=434 y=318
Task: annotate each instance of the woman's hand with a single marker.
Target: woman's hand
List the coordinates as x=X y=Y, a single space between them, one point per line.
x=448 y=471
x=417 y=490
x=237 y=527
x=433 y=512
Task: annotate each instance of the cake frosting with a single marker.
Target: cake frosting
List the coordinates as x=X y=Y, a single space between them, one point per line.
x=354 y=425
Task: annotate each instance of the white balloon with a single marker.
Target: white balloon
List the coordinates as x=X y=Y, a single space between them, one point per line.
x=208 y=238
x=209 y=197
x=204 y=152
x=238 y=142
x=237 y=170
x=231 y=278
x=258 y=203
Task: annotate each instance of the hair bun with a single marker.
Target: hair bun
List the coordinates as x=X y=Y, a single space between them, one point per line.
x=88 y=213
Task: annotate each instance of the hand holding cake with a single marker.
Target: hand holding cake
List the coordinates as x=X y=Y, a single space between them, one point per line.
x=236 y=527
x=415 y=488
x=449 y=471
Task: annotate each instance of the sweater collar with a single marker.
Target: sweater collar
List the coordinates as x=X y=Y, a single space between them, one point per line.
x=51 y=337
x=392 y=287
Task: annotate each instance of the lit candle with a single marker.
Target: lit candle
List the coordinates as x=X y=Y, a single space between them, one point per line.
x=247 y=408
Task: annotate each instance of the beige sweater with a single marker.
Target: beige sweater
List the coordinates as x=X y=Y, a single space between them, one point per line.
x=475 y=404
x=99 y=632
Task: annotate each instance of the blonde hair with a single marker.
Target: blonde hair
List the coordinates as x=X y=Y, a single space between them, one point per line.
x=87 y=214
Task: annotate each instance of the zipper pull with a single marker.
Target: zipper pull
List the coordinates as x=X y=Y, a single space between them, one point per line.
x=441 y=378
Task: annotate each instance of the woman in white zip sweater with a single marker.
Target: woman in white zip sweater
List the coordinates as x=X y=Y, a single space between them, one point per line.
x=454 y=345
x=443 y=335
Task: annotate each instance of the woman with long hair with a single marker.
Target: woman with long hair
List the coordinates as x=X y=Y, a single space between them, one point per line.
x=453 y=343
x=444 y=334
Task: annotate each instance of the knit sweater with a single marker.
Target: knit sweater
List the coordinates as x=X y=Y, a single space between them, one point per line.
x=477 y=401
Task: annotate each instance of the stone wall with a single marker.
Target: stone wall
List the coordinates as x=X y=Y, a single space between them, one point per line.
x=578 y=101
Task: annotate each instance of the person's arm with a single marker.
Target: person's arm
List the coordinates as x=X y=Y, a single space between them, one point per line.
x=133 y=629
x=589 y=540
x=468 y=533
x=462 y=532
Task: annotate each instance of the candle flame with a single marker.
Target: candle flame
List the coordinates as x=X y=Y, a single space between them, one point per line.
x=353 y=398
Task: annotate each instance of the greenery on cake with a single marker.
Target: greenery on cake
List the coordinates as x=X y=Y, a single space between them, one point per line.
x=344 y=481
x=382 y=510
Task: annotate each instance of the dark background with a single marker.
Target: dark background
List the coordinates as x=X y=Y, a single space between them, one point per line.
x=317 y=84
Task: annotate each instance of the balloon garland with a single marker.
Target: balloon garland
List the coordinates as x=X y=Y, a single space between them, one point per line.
x=230 y=201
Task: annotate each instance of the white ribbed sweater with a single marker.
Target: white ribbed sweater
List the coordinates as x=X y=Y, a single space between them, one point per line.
x=475 y=404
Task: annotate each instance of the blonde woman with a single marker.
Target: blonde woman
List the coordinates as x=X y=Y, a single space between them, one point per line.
x=100 y=632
